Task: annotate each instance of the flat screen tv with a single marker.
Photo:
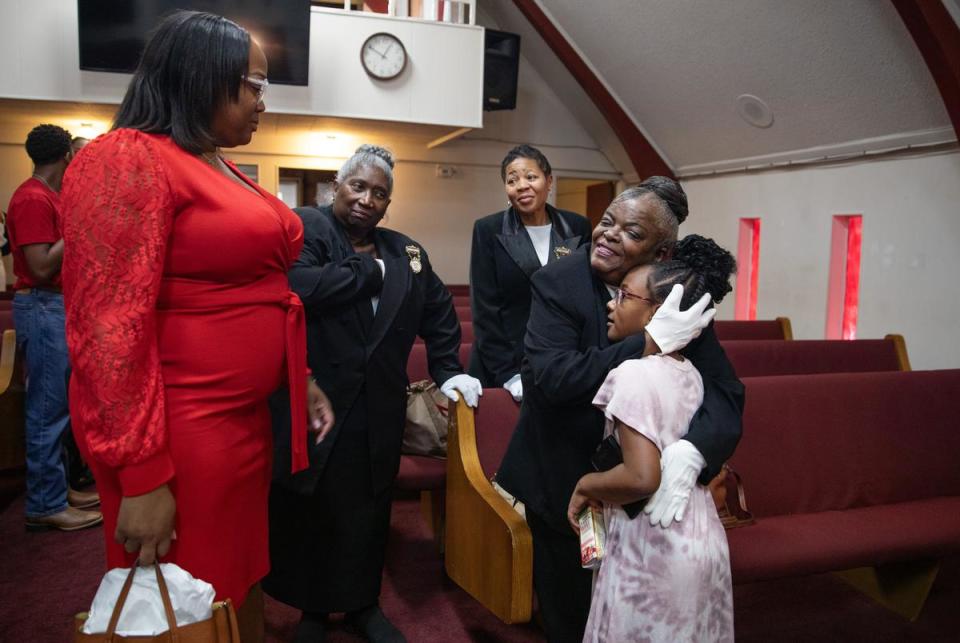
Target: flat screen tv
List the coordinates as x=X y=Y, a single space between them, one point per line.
x=113 y=32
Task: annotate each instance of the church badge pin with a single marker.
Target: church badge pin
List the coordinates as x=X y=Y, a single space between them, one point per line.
x=415 y=264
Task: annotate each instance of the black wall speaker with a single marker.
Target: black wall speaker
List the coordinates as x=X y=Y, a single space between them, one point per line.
x=501 y=62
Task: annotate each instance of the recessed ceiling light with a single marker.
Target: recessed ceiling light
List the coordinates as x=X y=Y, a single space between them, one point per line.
x=754 y=111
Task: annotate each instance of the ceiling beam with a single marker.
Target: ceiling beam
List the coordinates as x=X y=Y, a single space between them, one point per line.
x=938 y=39
x=644 y=157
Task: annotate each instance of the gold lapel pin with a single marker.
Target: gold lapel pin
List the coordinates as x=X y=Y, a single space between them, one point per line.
x=414 y=253
x=561 y=251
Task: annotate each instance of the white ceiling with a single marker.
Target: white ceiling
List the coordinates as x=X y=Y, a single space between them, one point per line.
x=841 y=76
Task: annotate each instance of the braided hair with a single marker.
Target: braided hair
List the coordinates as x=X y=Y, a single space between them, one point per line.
x=368 y=155
x=699 y=265
x=668 y=193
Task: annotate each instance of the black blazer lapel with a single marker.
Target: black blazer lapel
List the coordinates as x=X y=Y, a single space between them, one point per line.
x=396 y=284
x=516 y=242
x=601 y=296
x=563 y=240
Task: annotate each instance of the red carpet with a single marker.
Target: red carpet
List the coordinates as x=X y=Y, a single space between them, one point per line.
x=45 y=578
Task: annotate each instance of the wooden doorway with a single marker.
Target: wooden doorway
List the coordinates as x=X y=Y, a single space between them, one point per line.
x=299 y=187
x=588 y=197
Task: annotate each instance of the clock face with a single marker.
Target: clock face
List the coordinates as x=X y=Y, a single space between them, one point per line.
x=383 y=56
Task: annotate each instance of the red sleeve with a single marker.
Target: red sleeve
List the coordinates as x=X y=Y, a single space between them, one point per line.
x=36 y=221
x=117 y=214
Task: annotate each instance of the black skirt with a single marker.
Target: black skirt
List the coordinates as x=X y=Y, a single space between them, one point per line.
x=327 y=549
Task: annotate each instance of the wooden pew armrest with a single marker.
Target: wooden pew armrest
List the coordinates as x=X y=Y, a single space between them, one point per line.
x=488 y=548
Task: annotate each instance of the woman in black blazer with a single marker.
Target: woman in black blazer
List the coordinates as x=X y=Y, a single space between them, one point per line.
x=368 y=293
x=567 y=356
x=508 y=248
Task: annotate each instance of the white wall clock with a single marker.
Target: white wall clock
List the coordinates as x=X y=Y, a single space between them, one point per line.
x=383 y=56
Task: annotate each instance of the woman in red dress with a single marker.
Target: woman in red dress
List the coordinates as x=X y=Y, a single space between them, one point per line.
x=180 y=321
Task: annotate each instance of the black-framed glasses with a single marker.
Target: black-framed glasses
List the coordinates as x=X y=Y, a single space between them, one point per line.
x=626 y=294
x=259 y=85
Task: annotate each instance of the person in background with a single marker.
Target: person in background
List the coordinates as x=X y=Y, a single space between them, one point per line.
x=671 y=584
x=369 y=292
x=567 y=356
x=78 y=143
x=38 y=313
x=180 y=319
x=5 y=257
x=508 y=248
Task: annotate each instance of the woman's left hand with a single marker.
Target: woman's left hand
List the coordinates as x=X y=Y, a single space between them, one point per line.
x=319 y=411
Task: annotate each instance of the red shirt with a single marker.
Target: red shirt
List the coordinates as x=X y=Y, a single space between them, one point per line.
x=33 y=217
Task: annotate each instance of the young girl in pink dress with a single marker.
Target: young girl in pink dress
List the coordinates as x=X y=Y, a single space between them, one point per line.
x=655 y=583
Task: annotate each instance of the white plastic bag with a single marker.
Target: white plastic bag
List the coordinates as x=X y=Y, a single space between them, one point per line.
x=143 y=613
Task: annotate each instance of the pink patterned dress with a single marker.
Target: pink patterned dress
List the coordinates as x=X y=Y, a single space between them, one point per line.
x=659 y=584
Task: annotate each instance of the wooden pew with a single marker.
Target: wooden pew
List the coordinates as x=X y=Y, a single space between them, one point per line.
x=760 y=357
x=853 y=473
x=12 y=399
x=421 y=473
x=778 y=328
x=489 y=549
x=6 y=318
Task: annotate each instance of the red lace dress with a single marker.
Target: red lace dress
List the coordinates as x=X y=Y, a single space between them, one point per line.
x=179 y=318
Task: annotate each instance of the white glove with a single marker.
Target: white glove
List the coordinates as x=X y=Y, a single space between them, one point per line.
x=515 y=386
x=465 y=385
x=680 y=464
x=672 y=329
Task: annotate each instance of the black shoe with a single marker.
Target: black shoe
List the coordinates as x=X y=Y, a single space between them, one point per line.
x=311 y=629
x=374 y=625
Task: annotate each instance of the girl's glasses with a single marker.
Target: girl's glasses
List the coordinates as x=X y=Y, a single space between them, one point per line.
x=624 y=294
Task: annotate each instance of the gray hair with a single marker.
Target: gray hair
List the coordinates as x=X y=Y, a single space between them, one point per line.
x=366 y=156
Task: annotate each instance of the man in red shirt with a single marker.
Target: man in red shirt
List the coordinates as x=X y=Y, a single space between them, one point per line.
x=37 y=246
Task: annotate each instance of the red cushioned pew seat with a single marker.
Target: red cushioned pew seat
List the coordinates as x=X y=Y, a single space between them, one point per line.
x=850 y=470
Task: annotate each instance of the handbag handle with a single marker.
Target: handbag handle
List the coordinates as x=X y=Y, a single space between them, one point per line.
x=122 y=599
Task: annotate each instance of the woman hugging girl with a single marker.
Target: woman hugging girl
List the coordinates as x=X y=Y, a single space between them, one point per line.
x=655 y=583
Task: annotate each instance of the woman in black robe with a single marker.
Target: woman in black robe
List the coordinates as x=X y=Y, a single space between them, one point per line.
x=368 y=293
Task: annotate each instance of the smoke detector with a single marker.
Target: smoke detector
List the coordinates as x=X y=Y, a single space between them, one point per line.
x=754 y=111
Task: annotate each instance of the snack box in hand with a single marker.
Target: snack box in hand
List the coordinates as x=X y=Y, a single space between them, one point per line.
x=592 y=537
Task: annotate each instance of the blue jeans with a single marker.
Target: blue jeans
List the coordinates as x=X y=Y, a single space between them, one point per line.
x=39 y=321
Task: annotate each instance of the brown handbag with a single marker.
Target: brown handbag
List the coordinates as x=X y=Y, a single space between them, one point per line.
x=221 y=627
x=425 y=431
x=730 y=499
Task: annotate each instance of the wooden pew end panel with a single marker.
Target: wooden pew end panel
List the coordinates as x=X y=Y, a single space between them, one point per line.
x=786 y=327
x=900 y=346
x=488 y=546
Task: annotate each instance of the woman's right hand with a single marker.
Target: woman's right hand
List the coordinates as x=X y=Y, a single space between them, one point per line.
x=145 y=524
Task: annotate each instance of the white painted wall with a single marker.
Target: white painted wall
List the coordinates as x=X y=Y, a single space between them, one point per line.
x=442 y=84
x=909 y=264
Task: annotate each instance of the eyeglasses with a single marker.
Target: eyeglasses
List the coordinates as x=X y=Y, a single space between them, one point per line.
x=623 y=294
x=259 y=85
